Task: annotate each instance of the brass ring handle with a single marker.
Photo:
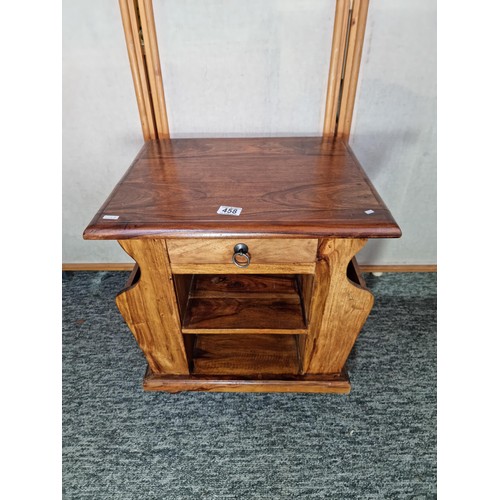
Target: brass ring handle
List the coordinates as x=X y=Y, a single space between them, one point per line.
x=241 y=251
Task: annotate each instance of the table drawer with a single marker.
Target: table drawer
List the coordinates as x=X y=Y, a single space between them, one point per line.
x=261 y=251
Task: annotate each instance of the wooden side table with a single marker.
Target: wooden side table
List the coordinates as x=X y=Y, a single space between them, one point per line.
x=266 y=298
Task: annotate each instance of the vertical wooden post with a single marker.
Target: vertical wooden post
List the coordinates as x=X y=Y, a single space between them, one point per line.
x=359 y=14
x=142 y=46
x=347 y=45
x=339 y=40
x=131 y=28
x=153 y=66
x=150 y=308
x=338 y=309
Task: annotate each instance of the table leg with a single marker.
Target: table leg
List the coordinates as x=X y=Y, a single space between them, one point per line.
x=150 y=309
x=338 y=310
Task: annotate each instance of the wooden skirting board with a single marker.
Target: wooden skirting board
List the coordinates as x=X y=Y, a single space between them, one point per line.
x=399 y=268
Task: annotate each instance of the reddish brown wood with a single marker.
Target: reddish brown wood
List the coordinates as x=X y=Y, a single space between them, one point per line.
x=107 y=266
x=289 y=320
x=354 y=273
x=254 y=355
x=339 y=308
x=231 y=314
x=295 y=187
x=149 y=307
x=244 y=304
x=262 y=251
x=337 y=383
x=244 y=284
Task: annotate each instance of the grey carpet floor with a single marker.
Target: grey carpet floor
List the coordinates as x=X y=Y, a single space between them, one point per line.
x=377 y=442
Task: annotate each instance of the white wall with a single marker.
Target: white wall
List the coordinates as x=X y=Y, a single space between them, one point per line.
x=101 y=127
x=239 y=68
x=394 y=125
x=233 y=68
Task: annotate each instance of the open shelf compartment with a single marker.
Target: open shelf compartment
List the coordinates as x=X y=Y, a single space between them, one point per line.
x=255 y=355
x=241 y=304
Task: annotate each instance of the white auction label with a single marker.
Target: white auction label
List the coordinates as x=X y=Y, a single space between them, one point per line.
x=223 y=210
x=111 y=217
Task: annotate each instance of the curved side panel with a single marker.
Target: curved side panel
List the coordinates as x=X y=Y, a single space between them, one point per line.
x=339 y=309
x=150 y=310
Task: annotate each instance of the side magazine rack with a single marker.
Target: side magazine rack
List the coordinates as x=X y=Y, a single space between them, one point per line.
x=253 y=288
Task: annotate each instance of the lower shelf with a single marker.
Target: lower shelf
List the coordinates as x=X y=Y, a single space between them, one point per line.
x=255 y=355
x=337 y=383
x=241 y=334
x=246 y=363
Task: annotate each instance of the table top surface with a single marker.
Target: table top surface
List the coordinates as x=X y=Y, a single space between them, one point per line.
x=289 y=187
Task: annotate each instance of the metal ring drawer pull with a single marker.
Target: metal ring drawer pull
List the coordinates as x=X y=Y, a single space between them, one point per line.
x=241 y=251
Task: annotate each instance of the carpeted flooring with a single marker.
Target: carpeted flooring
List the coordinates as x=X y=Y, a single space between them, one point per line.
x=377 y=442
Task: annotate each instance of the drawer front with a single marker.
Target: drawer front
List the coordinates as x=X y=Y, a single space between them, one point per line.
x=260 y=250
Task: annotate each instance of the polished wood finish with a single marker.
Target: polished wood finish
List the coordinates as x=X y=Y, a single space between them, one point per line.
x=339 y=41
x=259 y=304
x=182 y=284
x=364 y=268
x=248 y=286
x=262 y=251
x=358 y=17
x=150 y=309
x=288 y=187
x=337 y=383
x=153 y=66
x=339 y=309
x=281 y=315
x=287 y=322
x=254 y=269
x=133 y=277
x=195 y=313
x=354 y=273
x=132 y=28
x=254 y=355
x=306 y=287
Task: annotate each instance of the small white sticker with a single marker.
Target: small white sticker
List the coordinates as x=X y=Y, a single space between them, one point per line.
x=223 y=210
x=368 y=212
x=111 y=217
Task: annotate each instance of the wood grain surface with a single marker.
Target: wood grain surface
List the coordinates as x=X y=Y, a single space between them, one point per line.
x=227 y=286
x=149 y=307
x=358 y=18
x=153 y=66
x=132 y=29
x=259 y=304
x=335 y=383
x=296 y=187
x=262 y=251
x=278 y=314
x=252 y=269
x=254 y=355
x=338 y=311
x=337 y=57
x=365 y=268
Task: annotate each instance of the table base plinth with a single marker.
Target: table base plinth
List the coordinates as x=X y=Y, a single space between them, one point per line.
x=321 y=383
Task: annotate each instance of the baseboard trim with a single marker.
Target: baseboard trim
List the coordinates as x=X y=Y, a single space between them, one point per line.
x=104 y=266
x=401 y=268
